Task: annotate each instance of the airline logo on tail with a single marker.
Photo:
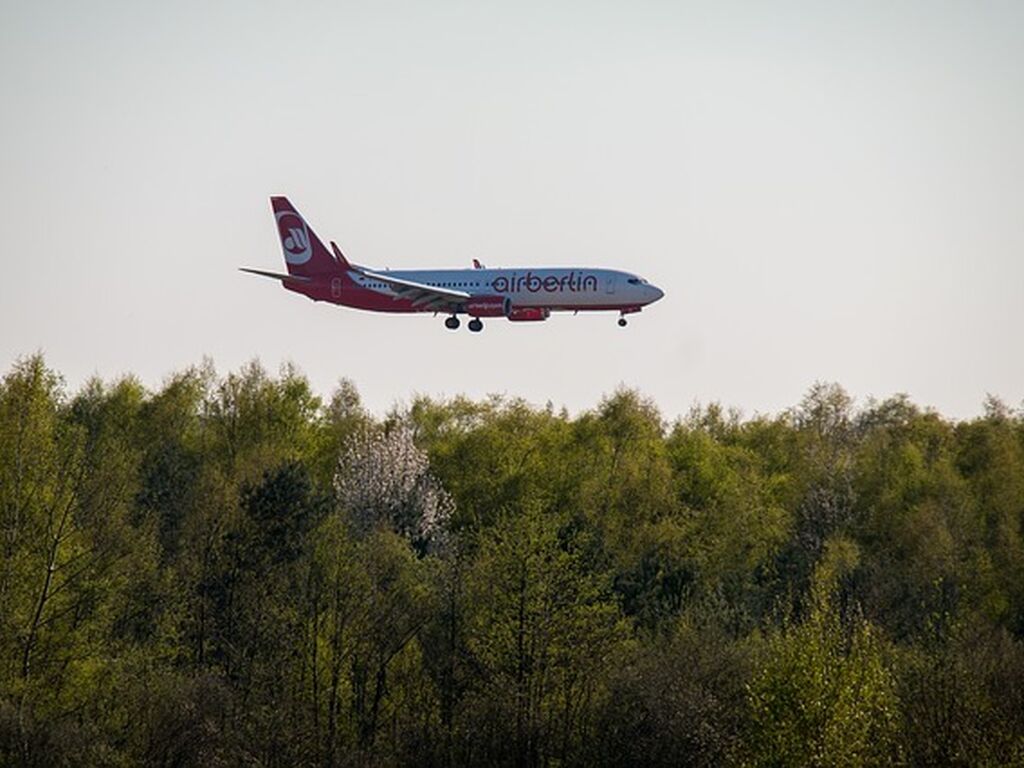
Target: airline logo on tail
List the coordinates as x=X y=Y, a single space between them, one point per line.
x=294 y=237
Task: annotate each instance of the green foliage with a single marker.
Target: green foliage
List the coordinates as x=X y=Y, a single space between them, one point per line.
x=542 y=628
x=824 y=693
x=962 y=694
x=735 y=516
x=230 y=571
x=679 y=700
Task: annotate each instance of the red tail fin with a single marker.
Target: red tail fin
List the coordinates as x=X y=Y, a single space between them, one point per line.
x=304 y=253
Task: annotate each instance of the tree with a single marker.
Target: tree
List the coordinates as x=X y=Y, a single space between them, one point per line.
x=824 y=422
x=383 y=479
x=677 y=701
x=735 y=516
x=824 y=693
x=542 y=630
x=68 y=484
x=962 y=694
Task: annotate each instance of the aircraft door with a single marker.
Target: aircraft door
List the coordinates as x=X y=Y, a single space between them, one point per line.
x=336 y=284
x=609 y=284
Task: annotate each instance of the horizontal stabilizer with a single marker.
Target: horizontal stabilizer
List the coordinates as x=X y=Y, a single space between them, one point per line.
x=275 y=275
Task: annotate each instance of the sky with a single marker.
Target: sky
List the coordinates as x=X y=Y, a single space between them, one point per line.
x=825 y=191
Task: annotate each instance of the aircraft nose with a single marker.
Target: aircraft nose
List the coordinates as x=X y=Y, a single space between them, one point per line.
x=656 y=293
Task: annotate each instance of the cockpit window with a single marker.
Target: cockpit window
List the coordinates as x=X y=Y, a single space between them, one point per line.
x=634 y=280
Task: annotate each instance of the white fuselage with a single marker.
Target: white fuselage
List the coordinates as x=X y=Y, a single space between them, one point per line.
x=558 y=288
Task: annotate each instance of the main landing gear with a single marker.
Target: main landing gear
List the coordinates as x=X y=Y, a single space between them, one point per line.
x=452 y=323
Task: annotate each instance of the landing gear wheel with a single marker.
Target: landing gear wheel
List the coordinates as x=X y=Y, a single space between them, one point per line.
x=452 y=323
x=622 y=322
x=475 y=325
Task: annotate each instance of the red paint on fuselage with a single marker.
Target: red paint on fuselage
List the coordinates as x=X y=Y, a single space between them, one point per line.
x=349 y=294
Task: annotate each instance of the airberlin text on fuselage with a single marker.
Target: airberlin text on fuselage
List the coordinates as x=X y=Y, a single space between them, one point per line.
x=572 y=281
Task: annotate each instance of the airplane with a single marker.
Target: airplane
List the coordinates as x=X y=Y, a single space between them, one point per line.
x=517 y=294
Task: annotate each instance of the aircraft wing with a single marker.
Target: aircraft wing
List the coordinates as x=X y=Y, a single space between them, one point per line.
x=423 y=295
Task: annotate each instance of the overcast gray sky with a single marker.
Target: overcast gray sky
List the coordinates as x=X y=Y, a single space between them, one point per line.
x=825 y=190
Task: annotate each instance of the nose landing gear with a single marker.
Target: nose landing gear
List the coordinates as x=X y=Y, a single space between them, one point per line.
x=622 y=322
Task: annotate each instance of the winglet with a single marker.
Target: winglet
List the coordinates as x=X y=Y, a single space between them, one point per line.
x=477 y=264
x=339 y=256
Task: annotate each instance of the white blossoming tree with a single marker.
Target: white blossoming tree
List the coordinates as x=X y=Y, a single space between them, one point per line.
x=383 y=479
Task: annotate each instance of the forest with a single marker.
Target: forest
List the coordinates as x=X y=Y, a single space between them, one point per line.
x=232 y=570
